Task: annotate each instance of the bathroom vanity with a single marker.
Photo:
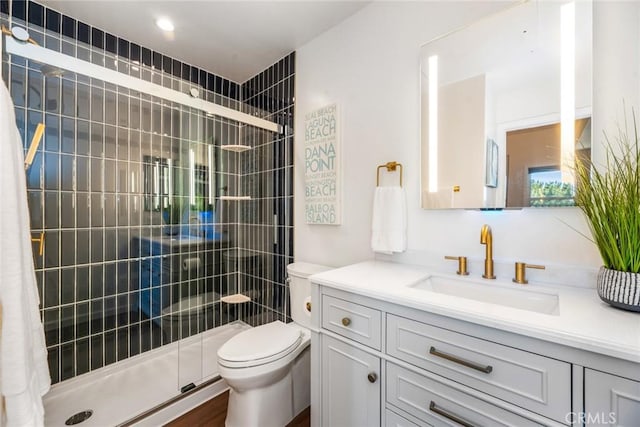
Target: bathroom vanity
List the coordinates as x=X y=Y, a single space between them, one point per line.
x=396 y=345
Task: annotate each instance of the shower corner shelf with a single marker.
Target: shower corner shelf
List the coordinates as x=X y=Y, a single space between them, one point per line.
x=236 y=148
x=235 y=299
x=235 y=197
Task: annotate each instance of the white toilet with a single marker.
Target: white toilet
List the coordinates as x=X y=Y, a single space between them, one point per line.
x=268 y=367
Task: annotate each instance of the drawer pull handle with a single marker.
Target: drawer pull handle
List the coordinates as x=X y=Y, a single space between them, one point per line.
x=346 y=321
x=372 y=377
x=453 y=417
x=486 y=369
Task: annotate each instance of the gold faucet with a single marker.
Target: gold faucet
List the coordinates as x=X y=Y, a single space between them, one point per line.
x=486 y=238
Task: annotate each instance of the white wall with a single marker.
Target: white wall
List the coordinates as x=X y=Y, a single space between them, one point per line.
x=369 y=64
x=616 y=44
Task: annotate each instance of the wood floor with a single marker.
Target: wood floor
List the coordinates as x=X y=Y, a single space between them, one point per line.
x=210 y=414
x=213 y=413
x=302 y=420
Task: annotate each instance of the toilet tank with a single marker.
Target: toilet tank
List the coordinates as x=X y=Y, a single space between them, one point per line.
x=300 y=289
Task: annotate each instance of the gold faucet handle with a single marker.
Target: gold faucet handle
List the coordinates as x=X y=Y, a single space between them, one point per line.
x=462 y=264
x=521 y=270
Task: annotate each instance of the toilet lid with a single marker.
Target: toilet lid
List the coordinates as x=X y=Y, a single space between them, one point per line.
x=261 y=344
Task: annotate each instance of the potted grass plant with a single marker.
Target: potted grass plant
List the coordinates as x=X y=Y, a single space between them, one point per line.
x=610 y=201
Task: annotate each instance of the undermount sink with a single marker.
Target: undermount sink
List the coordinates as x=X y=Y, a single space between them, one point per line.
x=492 y=293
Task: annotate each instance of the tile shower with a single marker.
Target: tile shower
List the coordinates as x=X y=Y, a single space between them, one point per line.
x=112 y=163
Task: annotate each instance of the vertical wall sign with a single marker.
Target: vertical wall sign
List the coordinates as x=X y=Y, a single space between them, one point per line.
x=323 y=193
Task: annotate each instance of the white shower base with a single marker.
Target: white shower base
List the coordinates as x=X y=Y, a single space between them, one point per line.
x=120 y=392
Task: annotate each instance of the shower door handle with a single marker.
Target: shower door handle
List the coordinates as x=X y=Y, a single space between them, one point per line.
x=275 y=229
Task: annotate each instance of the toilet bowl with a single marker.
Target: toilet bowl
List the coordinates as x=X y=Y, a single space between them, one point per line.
x=267 y=367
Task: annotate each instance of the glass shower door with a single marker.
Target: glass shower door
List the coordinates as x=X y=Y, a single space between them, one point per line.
x=98 y=190
x=202 y=242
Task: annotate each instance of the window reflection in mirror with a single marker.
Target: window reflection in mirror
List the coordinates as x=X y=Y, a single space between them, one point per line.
x=506 y=74
x=547 y=189
x=534 y=172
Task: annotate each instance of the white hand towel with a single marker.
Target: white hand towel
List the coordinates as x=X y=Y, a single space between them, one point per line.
x=24 y=372
x=389 y=225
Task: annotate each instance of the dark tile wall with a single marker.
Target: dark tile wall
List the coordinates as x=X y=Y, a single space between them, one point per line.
x=265 y=235
x=109 y=273
x=109 y=270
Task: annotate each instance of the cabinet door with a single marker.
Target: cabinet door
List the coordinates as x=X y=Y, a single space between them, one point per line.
x=350 y=386
x=610 y=400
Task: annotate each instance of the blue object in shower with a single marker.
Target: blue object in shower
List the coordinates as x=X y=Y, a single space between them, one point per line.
x=207 y=221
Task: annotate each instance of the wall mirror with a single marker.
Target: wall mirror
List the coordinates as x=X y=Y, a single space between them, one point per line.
x=506 y=108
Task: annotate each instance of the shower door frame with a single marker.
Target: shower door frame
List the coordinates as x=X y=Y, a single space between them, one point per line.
x=66 y=62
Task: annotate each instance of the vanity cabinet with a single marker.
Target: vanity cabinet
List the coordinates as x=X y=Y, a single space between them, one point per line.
x=610 y=400
x=435 y=370
x=350 y=385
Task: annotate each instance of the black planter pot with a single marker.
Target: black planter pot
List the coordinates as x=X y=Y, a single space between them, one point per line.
x=621 y=289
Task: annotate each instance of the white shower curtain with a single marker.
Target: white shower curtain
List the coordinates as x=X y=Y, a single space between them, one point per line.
x=24 y=373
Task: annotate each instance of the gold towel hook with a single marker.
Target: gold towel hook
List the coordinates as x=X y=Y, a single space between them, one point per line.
x=391 y=167
x=40 y=240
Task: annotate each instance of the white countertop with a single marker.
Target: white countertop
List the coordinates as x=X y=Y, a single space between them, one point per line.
x=583 y=321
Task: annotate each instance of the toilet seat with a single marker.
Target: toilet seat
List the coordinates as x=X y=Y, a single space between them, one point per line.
x=259 y=346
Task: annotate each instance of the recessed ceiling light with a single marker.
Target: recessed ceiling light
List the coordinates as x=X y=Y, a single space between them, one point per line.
x=164 y=24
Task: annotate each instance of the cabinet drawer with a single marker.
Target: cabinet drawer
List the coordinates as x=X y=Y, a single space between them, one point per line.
x=394 y=420
x=354 y=321
x=534 y=382
x=438 y=404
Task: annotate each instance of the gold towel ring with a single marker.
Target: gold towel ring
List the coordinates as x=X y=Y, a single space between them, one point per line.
x=391 y=167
